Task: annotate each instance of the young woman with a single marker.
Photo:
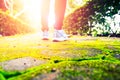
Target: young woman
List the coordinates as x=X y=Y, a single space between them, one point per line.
x=60 y=6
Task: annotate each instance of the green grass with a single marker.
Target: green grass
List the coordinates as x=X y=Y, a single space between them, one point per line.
x=84 y=58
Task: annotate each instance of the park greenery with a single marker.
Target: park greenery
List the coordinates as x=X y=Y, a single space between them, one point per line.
x=11 y=26
x=91 y=17
x=93 y=12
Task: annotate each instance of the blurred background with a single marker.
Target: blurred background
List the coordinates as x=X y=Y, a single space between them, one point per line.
x=83 y=17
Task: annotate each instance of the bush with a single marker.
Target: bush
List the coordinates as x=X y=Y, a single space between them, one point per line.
x=77 y=20
x=11 y=26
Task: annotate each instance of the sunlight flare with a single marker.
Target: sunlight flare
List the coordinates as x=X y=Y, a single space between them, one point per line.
x=32 y=10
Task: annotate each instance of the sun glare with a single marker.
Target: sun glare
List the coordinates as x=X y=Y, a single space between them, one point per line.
x=33 y=13
x=51 y=18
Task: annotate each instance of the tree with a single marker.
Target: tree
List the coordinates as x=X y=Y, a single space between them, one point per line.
x=93 y=11
x=78 y=19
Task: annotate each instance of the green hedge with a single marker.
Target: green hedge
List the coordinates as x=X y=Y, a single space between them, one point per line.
x=77 y=21
x=11 y=26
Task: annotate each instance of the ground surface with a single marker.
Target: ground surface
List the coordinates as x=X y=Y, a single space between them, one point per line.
x=27 y=57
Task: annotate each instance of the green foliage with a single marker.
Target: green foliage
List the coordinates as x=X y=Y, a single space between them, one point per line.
x=11 y=26
x=105 y=7
x=94 y=11
x=94 y=33
x=91 y=70
x=7 y=74
x=78 y=20
x=2 y=77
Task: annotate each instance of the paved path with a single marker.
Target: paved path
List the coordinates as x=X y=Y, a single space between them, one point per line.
x=21 y=63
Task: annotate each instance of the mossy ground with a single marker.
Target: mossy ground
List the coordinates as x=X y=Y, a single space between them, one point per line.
x=80 y=58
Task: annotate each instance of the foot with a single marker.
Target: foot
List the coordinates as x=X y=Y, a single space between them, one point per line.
x=59 y=35
x=45 y=35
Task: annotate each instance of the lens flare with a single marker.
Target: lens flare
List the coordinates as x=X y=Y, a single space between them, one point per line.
x=32 y=12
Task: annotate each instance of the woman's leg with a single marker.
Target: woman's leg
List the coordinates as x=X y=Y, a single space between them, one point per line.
x=59 y=34
x=60 y=6
x=44 y=14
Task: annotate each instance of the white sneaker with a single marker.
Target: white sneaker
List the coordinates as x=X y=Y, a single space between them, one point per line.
x=59 y=35
x=45 y=35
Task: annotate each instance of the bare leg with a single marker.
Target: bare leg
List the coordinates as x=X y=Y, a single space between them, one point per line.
x=44 y=14
x=60 y=6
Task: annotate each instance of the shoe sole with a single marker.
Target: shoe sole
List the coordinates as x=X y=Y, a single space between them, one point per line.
x=56 y=41
x=59 y=40
x=45 y=39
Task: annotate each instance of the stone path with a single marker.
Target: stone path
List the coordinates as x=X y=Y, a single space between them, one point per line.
x=21 y=64
x=35 y=42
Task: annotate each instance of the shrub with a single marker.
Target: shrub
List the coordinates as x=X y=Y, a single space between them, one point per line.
x=77 y=20
x=11 y=26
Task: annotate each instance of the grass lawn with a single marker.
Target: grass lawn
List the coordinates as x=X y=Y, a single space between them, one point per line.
x=80 y=58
